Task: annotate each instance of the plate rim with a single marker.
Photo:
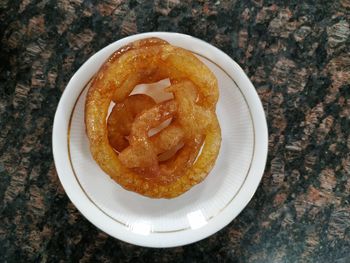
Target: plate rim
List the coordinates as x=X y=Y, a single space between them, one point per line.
x=88 y=209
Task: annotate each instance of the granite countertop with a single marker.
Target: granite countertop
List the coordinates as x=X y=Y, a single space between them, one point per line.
x=297 y=56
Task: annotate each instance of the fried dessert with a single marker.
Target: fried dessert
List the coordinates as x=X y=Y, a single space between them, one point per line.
x=178 y=156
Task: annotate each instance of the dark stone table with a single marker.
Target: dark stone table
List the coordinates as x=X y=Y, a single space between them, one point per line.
x=297 y=54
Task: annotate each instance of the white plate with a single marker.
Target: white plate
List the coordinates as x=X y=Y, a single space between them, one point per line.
x=200 y=212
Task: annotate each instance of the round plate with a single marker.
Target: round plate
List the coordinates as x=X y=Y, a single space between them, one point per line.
x=198 y=213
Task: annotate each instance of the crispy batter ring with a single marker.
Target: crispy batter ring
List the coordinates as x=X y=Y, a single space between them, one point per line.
x=114 y=81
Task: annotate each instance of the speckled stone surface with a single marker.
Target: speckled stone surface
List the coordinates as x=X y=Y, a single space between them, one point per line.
x=297 y=54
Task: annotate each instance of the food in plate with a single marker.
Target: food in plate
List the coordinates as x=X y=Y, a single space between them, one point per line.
x=178 y=156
